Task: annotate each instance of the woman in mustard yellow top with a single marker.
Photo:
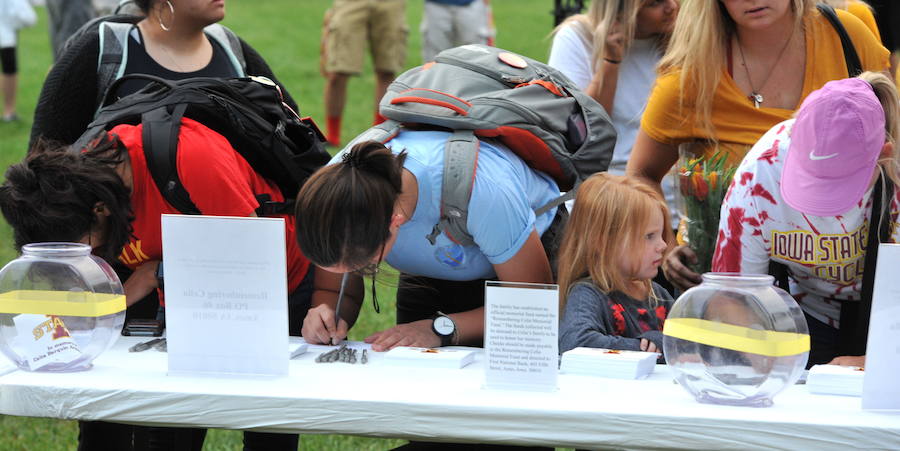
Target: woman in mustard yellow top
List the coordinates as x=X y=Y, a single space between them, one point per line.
x=771 y=54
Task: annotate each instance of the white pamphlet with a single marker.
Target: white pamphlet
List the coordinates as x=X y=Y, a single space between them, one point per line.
x=430 y=357
x=226 y=295
x=880 y=388
x=835 y=380
x=613 y=363
x=521 y=330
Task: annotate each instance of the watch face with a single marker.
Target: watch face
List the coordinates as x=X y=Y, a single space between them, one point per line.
x=444 y=325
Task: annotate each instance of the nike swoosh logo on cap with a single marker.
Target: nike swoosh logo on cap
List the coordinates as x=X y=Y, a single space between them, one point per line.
x=814 y=157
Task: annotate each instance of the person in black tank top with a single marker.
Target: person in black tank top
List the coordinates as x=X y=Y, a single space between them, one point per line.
x=140 y=62
x=67 y=103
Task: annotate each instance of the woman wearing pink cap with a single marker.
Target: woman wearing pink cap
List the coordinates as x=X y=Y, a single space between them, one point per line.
x=803 y=197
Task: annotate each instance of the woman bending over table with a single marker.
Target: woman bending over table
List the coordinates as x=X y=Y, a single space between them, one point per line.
x=106 y=197
x=376 y=203
x=803 y=197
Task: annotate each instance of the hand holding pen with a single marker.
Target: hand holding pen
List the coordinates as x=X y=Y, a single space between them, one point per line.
x=322 y=324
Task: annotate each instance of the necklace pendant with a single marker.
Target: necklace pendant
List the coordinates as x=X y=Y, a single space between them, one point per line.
x=756 y=98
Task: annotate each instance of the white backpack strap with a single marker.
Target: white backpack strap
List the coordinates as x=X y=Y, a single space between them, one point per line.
x=113 y=55
x=232 y=45
x=569 y=195
x=382 y=133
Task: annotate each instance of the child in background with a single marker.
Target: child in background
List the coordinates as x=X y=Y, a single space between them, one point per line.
x=614 y=243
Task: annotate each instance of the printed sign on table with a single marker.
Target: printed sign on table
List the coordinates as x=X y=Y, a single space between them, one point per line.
x=880 y=388
x=521 y=330
x=226 y=295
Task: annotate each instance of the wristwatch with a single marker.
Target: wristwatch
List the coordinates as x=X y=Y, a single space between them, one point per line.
x=444 y=327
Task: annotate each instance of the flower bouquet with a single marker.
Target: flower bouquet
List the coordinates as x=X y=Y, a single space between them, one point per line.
x=702 y=184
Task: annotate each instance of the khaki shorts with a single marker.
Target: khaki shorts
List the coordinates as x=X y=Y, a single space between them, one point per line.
x=350 y=24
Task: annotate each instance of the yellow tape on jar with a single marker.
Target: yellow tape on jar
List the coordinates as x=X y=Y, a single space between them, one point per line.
x=737 y=338
x=61 y=303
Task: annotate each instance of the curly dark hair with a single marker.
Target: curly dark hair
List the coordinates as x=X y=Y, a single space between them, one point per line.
x=344 y=210
x=53 y=193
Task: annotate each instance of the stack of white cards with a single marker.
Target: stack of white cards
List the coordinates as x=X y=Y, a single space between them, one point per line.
x=608 y=363
x=430 y=357
x=835 y=380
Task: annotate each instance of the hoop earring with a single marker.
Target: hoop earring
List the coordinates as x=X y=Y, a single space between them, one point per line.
x=159 y=16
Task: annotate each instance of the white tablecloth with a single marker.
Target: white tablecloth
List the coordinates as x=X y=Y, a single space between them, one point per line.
x=442 y=405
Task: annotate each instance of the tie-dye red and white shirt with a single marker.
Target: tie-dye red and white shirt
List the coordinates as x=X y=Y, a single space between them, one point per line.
x=824 y=254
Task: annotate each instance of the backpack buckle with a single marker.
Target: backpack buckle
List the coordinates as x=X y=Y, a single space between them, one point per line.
x=268 y=207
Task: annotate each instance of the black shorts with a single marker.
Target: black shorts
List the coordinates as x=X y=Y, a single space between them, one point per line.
x=8 y=61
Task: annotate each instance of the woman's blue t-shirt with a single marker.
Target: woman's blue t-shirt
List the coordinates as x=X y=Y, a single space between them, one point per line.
x=501 y=210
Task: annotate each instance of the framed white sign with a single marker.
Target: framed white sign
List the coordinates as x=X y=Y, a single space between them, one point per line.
x=880 y=388
x=521 y=335
x=225 y=294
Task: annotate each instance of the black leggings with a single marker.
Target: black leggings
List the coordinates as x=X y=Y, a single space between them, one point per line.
x=823 y=342
x=8 y=61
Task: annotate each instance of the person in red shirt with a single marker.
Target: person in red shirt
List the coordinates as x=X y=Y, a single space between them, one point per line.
x=105 y=196
x=220 y=183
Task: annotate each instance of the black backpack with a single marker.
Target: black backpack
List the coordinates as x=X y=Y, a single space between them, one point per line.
x=249 y=112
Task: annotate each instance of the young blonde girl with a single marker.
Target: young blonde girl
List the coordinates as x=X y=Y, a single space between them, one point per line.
x=615 y=240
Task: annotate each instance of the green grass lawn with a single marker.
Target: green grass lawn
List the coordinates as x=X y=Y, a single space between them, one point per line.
x=286 y=33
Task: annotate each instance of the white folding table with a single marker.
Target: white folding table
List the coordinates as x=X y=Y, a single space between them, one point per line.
x=382 y=400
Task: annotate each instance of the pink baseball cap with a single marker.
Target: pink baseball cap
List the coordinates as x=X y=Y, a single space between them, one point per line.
x=835 y=144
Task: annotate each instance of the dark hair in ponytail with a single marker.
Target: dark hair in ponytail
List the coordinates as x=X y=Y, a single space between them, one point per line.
x=53 y=193
x=344 y=210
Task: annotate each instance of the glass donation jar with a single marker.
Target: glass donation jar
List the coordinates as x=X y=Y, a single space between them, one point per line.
x=60 y=307
x=736 y=339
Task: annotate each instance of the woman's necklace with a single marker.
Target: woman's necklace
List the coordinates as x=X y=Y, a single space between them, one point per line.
x=171 y=58
x=755 y=95
x=165 y=49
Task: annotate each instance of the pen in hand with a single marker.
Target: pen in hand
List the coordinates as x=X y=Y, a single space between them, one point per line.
x=337 y=308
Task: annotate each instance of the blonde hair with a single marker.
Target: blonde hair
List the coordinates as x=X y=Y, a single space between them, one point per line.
x=886 y=91
x=698 y=48
x=610 y=215
x=600 y=16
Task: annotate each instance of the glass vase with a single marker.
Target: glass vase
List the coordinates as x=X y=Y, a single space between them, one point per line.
x=60 y=307
x=736 y=339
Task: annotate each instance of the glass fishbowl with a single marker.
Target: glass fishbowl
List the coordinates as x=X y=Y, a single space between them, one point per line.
x=60 y=307
x=736 y=339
